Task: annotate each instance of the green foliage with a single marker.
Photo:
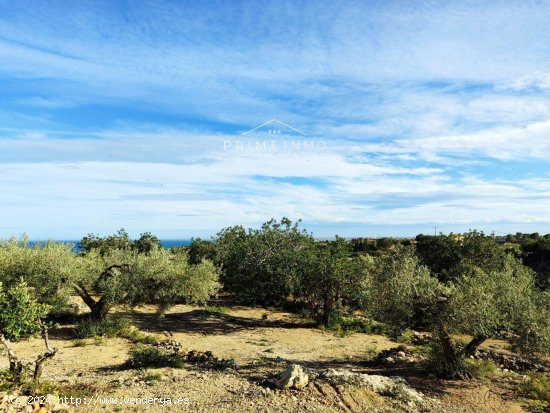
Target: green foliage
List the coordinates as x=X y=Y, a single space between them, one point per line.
x=80 y=343
x=536 y=254
x=280 y=262
x=264 y=265
x=476 y=302
x=350 y=324
x=144 y=356
x=109 y=327
x=46 y=267
x=21 y=314
x=537 y=387
x=146 y=243
x=376 y=246
x=399 y=287
x=119 y=241
x=126 y=277
x=448 y=256
x=217 y=310
x=178 y=281
x=480 y=369
x=138 y=337
x=200 y=250
x=333 y=281
x=406 y=336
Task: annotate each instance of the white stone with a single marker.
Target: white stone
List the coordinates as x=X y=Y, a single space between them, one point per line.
x=294 y=377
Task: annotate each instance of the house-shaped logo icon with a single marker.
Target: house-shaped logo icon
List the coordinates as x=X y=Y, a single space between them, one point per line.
x=274 y=127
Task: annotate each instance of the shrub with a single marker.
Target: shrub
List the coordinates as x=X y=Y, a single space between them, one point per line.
x=137 y=337
x=475 y=302
x=20 y=313
x=479 y=369
x=406 y=336
x=217 y=310
x=79 y=343
x=352 y=324
x=143 y=356
x=537 y=387
x=109 y=327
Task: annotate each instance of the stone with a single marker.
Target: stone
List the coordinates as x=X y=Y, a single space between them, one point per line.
x=293 y=377
x=383 y=385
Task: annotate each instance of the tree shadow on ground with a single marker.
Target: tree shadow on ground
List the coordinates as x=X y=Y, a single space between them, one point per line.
x=206 y=322
x=65 y=332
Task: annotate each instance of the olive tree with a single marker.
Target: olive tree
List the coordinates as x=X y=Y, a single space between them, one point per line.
x=333 y=279
x=128 y=277
x=476 y=302
x=119 y=241
x=46 y=267
x=22 y=316
x=263 y=265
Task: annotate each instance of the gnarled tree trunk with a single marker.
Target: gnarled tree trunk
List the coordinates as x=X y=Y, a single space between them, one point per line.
x=17 y=366
x=454 y=357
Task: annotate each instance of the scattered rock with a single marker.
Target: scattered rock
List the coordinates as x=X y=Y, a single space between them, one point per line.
x=508 y=362
x=208 y=360
x=400 y=354
x=419 y=339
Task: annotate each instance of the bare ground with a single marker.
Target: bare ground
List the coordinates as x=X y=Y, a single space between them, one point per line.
x=261 y=348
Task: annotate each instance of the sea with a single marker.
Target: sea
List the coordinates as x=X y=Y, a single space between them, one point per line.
x=166 y=243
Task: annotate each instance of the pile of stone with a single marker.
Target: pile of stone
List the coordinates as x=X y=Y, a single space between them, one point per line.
x=14 y=403
x=208 y=360
x=419 y=339
x=398 y=355
x=169 y=345
x=508 y=362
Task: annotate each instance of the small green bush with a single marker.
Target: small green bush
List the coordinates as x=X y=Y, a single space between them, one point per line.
x=468 y=368
x=406 y=336
x=537 y=387
x=217 y=310
x=143 y=356
x=349 y=324
x=138 y=337
x=79 y=342
x=109 y=327
x=152 y=377
x=480 y=369
x=21 y=314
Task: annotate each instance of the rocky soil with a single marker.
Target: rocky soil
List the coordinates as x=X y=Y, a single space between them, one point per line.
x=246 y=361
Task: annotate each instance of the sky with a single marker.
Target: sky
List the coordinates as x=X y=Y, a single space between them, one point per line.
x=361 y=118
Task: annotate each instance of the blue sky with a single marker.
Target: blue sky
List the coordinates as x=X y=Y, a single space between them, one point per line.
x=415 y=114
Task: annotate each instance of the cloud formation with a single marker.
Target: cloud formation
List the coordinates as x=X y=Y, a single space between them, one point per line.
x=429 y=114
